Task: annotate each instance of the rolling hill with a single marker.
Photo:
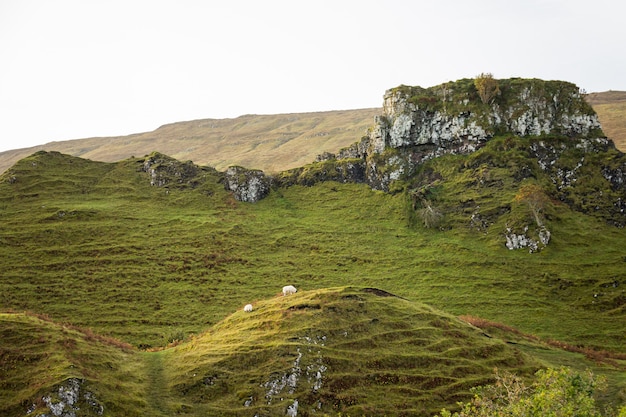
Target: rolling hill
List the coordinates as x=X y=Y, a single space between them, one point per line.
x=272 y=143
x=123 y=283
x=121 y=268
x=355 y=350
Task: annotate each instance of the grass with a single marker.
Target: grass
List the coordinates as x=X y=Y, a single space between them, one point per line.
x=272 y=143
x=37 y=354
x=611 y=109
x=349 y=350
x=94 y=245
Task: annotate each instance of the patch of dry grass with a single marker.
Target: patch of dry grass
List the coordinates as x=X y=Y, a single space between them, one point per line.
x=611 y=109
x=272 y=143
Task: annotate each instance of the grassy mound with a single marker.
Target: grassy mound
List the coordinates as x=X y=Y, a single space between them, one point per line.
x=333 y=351
x=349 y=350
x=45 y=365
x=359 y=351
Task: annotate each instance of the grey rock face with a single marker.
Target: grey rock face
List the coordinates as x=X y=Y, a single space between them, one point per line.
x=69 y=400
x=247 y=184
x=419 y=132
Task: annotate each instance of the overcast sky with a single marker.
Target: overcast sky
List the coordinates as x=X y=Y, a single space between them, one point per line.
x=85 y=68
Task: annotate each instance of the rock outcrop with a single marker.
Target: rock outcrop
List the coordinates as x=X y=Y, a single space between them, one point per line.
x=419 y=124
x=69 y=400
x=166 y=171
x=523 y=241
x=248 y=185
x=562 y=133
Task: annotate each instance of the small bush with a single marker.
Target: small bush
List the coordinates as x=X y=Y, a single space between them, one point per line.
x=430 y=216
x=556 y=392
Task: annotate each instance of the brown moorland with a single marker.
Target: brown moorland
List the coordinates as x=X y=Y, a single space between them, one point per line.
x=272 y=143
x=611 y=108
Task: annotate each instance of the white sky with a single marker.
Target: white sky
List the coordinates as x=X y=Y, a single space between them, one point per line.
x=85 y=68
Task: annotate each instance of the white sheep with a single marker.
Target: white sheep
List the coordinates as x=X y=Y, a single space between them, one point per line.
x=289 y=289
x=247 y=308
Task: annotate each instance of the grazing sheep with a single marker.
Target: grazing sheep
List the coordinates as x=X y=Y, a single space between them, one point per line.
x=247 y=308
x=289 y=289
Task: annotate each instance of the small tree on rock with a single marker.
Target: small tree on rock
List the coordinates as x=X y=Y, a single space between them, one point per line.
x=487 y=87
x=536 y=198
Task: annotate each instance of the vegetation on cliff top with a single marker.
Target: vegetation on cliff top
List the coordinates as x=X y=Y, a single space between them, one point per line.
x=479 y=95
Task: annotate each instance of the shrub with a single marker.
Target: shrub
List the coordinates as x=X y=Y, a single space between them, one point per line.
x=430 y=216
x=487 y=87
x=556 y=393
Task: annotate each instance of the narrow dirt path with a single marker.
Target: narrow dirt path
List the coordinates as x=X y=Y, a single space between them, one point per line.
x=157 y=393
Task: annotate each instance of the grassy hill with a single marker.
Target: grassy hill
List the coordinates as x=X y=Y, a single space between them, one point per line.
x=269 y=142
x=113 y=261
x=349 y=350
x=272 y=143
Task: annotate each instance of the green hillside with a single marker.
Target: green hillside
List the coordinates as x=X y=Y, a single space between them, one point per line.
x=354 y=351
x=96 y=246
x=361 y=351
x=476 y=227
x=37 y=355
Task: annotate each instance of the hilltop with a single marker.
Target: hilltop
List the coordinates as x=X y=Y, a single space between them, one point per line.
x=271 y=143
x=124 y=282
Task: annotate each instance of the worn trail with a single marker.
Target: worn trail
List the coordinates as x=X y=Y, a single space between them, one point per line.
x=157 y=392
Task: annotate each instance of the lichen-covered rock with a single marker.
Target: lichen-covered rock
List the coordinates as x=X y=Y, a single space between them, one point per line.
x=248 y=185
x=524 y=241
x=589 y=175
x=165 y=171
x=451 y=119
x=327 y=168
x=69 y=400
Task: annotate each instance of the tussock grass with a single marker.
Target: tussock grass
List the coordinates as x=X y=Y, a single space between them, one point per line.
x=94 y=245
x=339 y=350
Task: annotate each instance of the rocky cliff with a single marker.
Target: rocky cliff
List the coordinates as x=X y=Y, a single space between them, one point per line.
x=547 y=133
x=419 y=124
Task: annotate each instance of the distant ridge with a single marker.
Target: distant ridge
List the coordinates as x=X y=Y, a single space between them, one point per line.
x=611 y=108
x=272 y=143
